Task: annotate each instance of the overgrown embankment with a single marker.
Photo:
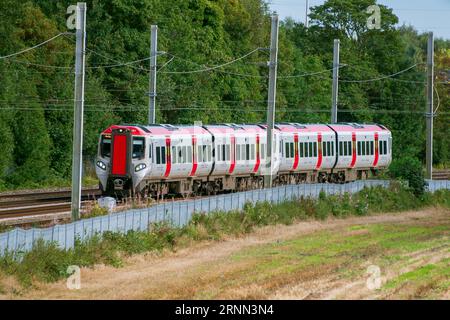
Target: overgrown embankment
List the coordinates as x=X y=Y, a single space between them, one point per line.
x=46 y=262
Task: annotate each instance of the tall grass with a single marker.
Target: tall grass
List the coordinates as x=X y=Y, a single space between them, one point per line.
x=47 y=262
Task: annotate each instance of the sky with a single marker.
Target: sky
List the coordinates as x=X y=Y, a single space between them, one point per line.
x=424 y=15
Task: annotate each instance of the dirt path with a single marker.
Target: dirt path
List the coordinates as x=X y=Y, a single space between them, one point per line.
x=200 y=268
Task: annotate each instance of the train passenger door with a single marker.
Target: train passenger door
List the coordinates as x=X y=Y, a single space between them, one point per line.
x=121 y=152
x=276 y=153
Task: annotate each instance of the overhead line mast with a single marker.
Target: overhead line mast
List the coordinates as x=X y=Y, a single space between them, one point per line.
x=77 y=157
x=271 y=99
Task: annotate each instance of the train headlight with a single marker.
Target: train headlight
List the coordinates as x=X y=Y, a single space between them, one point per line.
x=140 y=167
x=101 y=165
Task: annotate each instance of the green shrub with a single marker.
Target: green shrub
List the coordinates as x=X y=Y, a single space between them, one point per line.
x=409 y=169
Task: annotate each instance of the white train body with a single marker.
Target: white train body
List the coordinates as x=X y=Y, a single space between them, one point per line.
x=161 y=159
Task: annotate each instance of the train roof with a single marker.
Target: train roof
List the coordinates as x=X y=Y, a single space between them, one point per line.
x=299 y=127
x=158 y=129
x=233 y=127
x=168 y=129
x=356 y=127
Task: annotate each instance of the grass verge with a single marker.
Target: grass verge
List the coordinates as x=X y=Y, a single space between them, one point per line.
x=48 y=263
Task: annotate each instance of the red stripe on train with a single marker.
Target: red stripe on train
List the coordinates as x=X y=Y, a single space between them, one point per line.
x=232 y=154
x=319 y=142
x=296 y=158
x=353 y=150
x=375 y=160
x=258 y=159
x=168 y=158
x=194 y=158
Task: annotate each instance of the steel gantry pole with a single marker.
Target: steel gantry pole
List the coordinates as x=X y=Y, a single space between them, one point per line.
x=271 y=99
x=77 y=156
x=152 y=83
x=335 y=89
x=430 y=111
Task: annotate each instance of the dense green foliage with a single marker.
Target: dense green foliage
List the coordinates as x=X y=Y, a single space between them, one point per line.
x=47 y=262
x=36 y=100
x=410 y=170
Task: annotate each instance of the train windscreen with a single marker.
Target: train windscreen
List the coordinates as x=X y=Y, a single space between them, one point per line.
x=138 y=148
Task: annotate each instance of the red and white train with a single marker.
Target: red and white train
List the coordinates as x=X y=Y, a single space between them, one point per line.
x=189 y=160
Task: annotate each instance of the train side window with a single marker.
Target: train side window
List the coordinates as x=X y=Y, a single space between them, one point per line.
x=301 y=149
x=315 y=148
x=247 y=152
x=345 y=148
x=174 y=154
x=350 y=150
x=179 y=155
x=332 y=148
x=328 y=148
x=381 y=147
x=205 y=153
x=223 y=153
x=341 y=148
x=163 y=155
x=227 y=152
x=367 y=148
x=385 y=146
x=183 y=154
x=219 y=153
x=363 y=149
x=150 y=151
x=371 y=148
x=189 y=154
x=158 y=155
x=263 y=151
x=359 y=148
x=199 y=153
x=324 y=149
x=208 y=153
x=238 y=152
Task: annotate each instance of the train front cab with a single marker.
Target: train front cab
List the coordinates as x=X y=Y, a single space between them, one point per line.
x=121 y=162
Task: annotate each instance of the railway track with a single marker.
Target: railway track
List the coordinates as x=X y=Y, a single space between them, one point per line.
x=16 y=205
x=441 y=174
x=35 y=203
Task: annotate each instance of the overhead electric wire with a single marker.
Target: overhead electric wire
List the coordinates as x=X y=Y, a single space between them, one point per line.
x=39 y=65
x=213 y=67
x=124 y=64
x=439 y=100
x=382 y=77
x=34 y=47
x=165 y=64
x=310 y=73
